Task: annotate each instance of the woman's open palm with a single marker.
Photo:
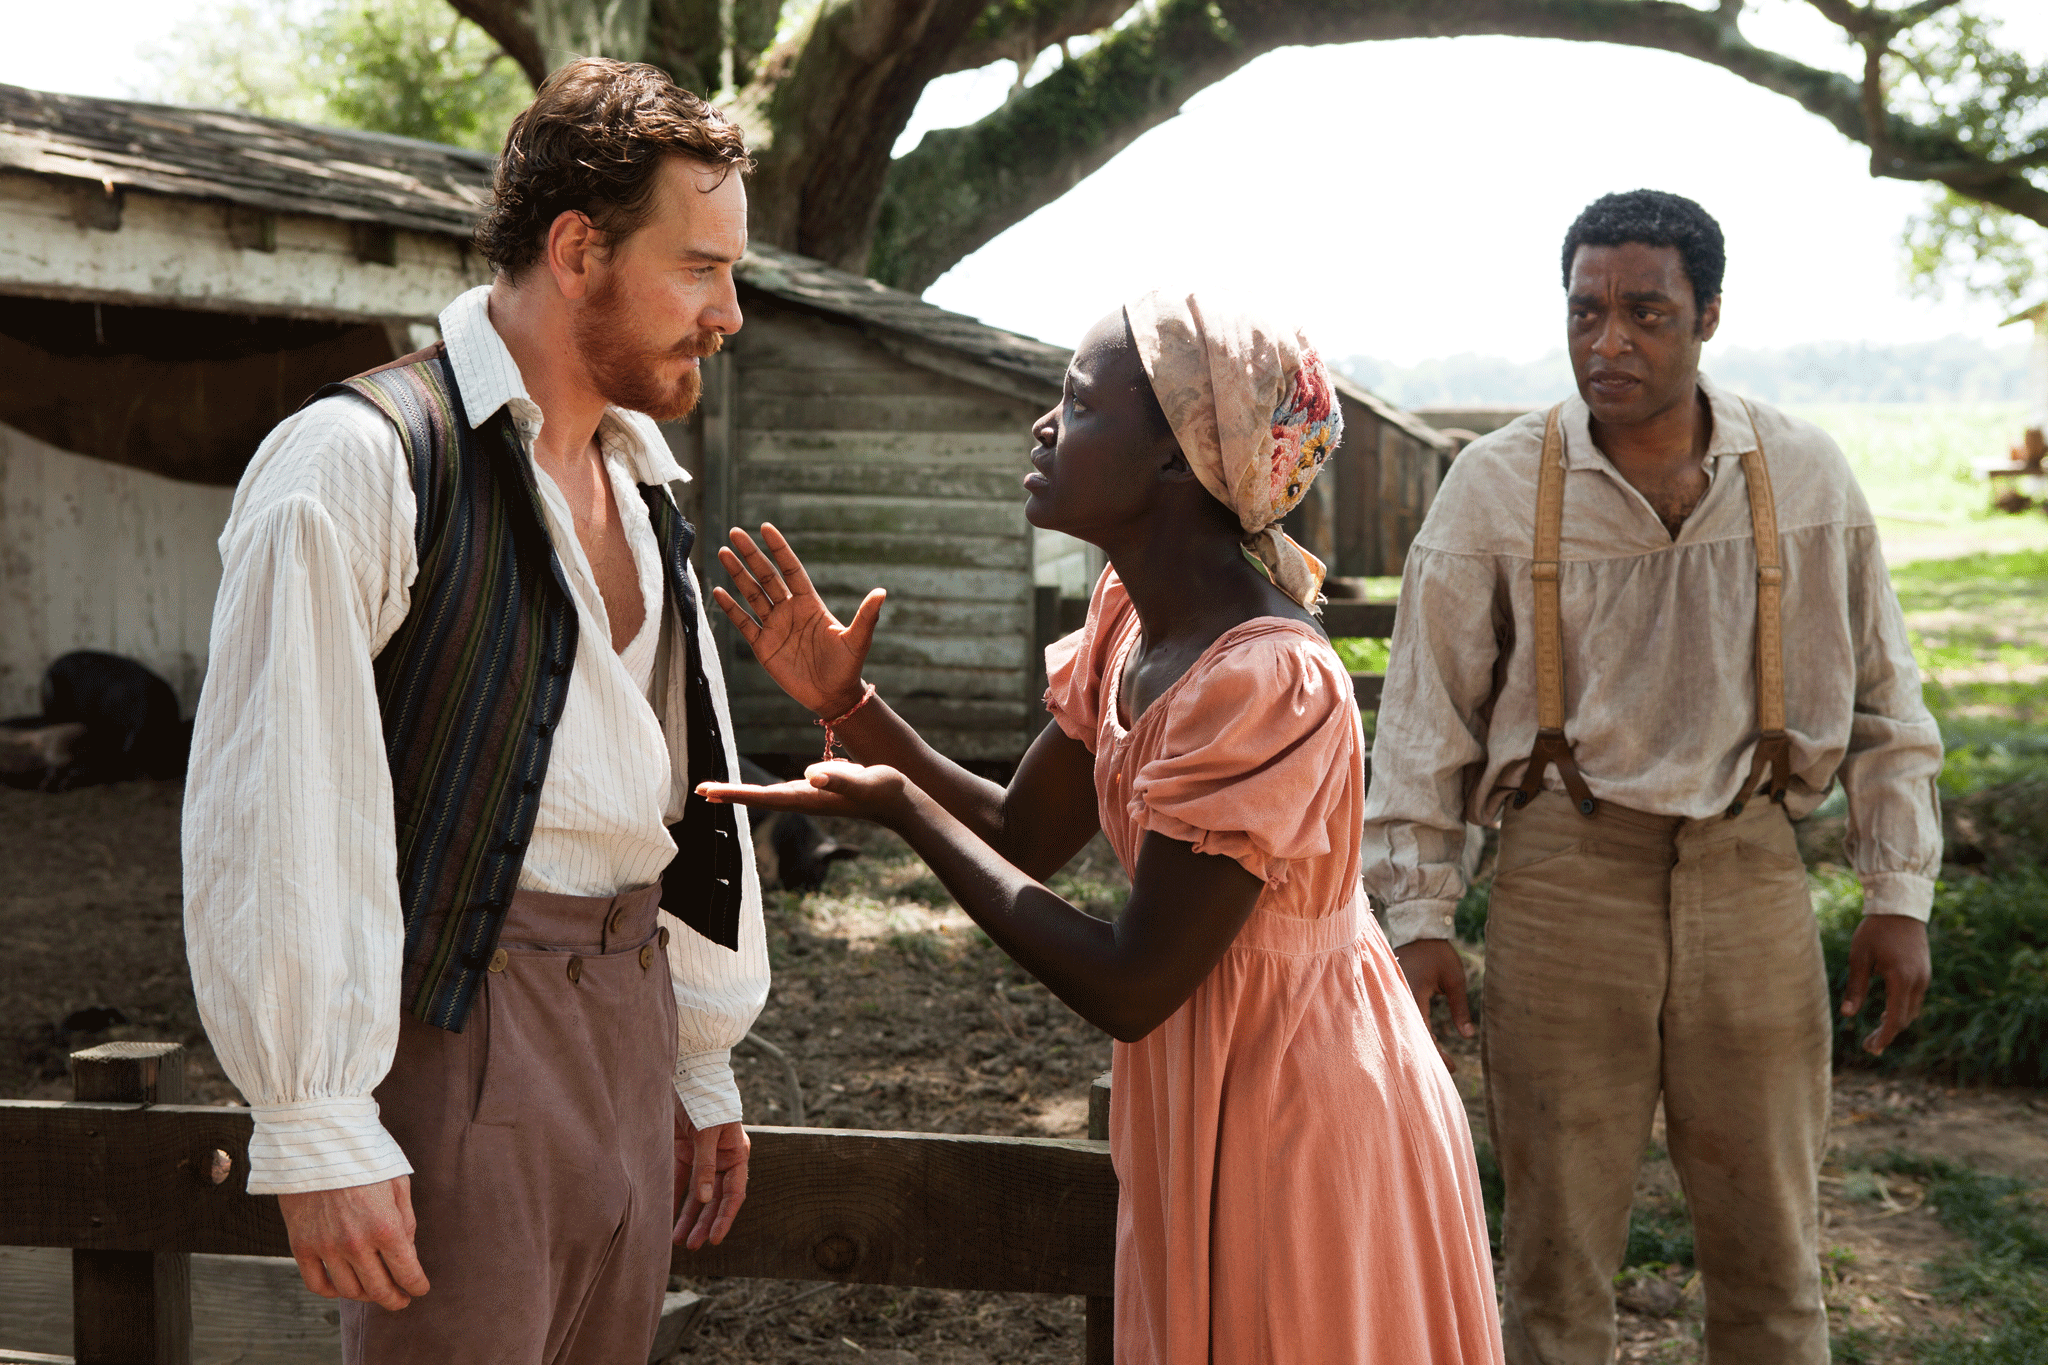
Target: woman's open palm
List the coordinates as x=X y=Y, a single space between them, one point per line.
x=791 y=631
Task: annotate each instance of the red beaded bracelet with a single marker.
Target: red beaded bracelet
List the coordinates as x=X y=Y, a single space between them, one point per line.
x=831 y=741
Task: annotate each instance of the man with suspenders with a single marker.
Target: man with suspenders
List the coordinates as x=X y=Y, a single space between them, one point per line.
x=1645 y=630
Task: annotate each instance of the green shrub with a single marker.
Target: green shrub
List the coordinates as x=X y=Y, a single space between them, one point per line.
x=2004 y=1279
x=1470 y=923
x=1985 y=1017
x=1659 y=1233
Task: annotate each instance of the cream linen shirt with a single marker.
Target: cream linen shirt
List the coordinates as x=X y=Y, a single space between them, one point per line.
x=1659 y=659
x=292 y=914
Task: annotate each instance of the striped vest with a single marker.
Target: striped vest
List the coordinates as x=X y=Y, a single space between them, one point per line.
x=472 y=685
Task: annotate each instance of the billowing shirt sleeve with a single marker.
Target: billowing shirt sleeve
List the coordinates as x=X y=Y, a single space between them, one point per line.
x=1261 y=751
x=292 y=918
x=1895 y=750
x=719 y=992
x=1429 y=740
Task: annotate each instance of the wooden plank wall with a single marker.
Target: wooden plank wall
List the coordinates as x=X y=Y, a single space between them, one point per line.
x=1385 y=481
x=100 y=556
x=885 y=474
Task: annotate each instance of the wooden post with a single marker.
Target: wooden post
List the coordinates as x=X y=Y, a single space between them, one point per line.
x=1100 y=1337
x=130 y=1307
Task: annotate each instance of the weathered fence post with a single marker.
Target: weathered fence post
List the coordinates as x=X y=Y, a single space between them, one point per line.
x=130 y=1307
x=1099 y=1347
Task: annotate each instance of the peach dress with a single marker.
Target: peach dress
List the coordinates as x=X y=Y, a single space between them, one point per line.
x=1297 y=1178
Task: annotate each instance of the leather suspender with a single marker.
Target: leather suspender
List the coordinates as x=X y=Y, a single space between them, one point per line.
x=1551 y=745
x=1774 y=748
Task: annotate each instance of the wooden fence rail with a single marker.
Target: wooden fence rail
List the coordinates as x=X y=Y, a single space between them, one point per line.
x=135 y=1187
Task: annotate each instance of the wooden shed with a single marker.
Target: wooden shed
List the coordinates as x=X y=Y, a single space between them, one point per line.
x=174 y=281
x=1360 y=517
x=888 y=438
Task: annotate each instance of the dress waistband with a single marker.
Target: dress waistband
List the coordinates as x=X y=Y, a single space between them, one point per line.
x=600 y=924
x=1268 y=931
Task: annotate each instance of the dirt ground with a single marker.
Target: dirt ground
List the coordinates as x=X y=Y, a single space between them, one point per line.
x=900 y=1015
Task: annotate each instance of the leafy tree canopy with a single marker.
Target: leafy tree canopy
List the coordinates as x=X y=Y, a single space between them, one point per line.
x=410 y=67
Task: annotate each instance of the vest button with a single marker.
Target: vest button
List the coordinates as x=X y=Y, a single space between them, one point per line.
x=646 y=956
x=575 y=969
x=546 y=727
x=499 y=959
x=559 y=667
x=515 y=845
x=530 y=785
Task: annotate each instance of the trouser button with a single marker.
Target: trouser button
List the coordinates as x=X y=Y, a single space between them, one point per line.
x=646 y=956
x=499 y=959
x=575 y=969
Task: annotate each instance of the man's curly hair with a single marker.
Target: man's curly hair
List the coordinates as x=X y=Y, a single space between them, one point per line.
x=1654 y=218
x=591 y=142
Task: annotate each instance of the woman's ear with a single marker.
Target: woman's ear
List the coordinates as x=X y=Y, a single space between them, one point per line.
x=1175 y=468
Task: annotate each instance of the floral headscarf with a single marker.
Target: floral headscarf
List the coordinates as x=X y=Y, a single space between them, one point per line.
x=1252 y=407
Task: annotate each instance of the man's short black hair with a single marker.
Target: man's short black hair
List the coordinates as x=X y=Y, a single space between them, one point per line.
x=1654 y=218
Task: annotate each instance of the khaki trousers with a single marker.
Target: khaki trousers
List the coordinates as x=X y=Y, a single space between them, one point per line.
x=1629 y=956
x=542 y=1144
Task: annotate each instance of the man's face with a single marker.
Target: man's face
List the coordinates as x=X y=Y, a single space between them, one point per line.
x=1634 y=332
x=663 y=298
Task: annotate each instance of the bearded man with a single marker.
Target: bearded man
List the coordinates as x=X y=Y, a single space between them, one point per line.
x=460 y=693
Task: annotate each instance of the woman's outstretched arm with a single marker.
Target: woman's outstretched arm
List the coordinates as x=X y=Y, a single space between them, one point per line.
x=1037 y=823
x=1126 y=977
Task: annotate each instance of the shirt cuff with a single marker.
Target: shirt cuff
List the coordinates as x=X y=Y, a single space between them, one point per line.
x=705 y=1085
x=1897 y=893
x=1412 y=920
x=321 y=1145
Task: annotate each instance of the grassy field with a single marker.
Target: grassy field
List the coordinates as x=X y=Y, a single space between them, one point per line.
x=1915 y=462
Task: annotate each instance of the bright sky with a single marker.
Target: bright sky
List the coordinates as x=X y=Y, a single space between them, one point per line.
x=1405 y=199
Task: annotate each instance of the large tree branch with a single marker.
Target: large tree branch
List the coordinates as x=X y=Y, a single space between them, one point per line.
x=962 y=186
x=1018 y=30
x=510 y=22
x=824 y=113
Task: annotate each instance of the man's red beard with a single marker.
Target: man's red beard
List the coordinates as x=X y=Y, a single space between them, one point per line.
x=627 y=376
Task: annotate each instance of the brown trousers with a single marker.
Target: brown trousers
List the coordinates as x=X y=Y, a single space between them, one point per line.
x=542 y=1144
x=1629 y=956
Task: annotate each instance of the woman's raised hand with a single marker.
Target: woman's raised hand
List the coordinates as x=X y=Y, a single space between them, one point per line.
x=792 y=632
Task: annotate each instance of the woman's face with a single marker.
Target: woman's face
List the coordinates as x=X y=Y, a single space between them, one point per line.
x=1101 y=453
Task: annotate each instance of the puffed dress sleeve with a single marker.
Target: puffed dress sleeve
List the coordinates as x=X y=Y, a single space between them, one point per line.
x=1075 y=664
x=1261 y=748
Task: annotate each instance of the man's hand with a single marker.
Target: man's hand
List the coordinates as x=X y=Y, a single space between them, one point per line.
x=711 y=1180
x=1433 y=967
x=1895 y=948
x=357 y=1243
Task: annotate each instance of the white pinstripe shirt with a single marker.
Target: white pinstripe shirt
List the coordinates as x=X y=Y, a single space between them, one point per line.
x=292 y=917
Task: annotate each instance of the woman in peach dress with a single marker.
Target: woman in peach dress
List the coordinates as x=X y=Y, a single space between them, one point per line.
x=1296 y=1172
